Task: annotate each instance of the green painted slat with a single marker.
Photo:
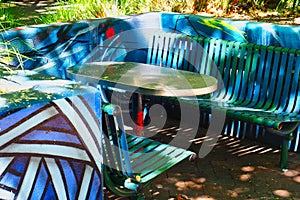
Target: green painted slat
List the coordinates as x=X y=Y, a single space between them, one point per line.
x=111 y=153
x=252 y=77
x=232 y=64
x=187 y=63
x=157 y=161
x=135 y=140
x=204 y=56
x=209 y=57
x=259 y=76
x=179 y=52
x=134 y=154
x=280 y=87
x=267 y=71
x=182 y=155
x=165 y=49
x=228 y=71
x=272 y=78
x=284 y=103
x=240 y=68
x=294 y=106
x=245 y=75
x=152 y=150
x=223 y=69
x=216 y=58
x=198 y=48
x=139 y=143
x=171 y=52
x=162 y=46
x=107 y=156
x=151 y=50
x=154 y=51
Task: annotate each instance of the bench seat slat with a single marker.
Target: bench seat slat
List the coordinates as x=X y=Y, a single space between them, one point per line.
x=128 y=156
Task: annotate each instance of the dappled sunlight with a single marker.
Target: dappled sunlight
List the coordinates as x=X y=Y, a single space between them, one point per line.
x=159 y=186
x=199 y=180
x=171 y=180
x=240 y=190
x=195 y=183
x=296 y=179
x=153 y=129
x=282 y=193
x=245 y=177
x=188 y=185
x=237 y=148
x=248 y=169
x=293 y=174
x=236 y=192
x=168 y=131
x=232 y=193
x=155 y=194
x=204 y=197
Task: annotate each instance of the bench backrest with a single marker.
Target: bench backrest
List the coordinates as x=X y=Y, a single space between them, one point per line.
x=115 y=148
x=256 y=75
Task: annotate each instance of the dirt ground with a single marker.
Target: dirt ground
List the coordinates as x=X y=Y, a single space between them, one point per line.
x=235 y=169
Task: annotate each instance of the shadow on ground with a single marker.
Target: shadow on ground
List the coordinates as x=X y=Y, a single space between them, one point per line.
x=234 y=169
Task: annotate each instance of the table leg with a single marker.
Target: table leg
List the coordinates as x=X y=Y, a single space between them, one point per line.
x=137 y=114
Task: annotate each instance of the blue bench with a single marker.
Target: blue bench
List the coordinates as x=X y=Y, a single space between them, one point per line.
x=258 y=84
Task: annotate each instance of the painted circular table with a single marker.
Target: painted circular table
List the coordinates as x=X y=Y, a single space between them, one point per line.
x=144 y=79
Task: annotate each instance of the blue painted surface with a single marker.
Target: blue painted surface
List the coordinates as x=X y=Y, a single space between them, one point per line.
x=253 y=32
x=47 y=148
x=53 y=48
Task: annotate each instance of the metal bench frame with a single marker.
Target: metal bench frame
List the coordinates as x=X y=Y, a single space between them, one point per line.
x=131 y=162
x=261 y=84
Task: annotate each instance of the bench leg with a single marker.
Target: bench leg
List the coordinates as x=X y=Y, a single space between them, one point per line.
x=285 y=151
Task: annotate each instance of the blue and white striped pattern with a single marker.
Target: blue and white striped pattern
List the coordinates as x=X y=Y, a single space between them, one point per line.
x=51 y=151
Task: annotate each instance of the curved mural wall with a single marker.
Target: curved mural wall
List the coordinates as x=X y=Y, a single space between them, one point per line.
x=55 y=47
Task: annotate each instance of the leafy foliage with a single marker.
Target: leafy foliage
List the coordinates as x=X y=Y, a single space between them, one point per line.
x=12 y=15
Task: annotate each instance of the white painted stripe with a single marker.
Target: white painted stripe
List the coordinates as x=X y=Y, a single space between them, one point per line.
x=28 y=124
x=6 y=195
x=93 y=121
x=83 y=131
x=4 y=162
x=48 y=149
x=29 y=178
x=297 y=140
x=85 y=182
x=57 y=179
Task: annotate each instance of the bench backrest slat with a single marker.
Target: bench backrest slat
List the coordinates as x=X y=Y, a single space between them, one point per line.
x=253 y=75
x=294 y=104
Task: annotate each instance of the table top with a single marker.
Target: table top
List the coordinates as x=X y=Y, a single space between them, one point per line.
x=21 y=88
x=144 y=78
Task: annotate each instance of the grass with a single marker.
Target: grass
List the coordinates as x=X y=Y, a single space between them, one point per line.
x=86 y=9
x=13 y=15
x=8 y=52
